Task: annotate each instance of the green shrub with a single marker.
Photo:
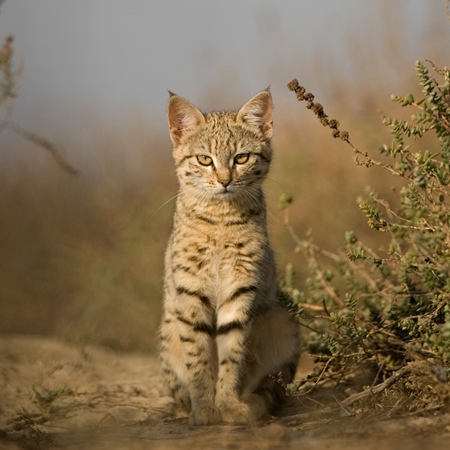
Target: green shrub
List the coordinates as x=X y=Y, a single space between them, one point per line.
x=388 y=308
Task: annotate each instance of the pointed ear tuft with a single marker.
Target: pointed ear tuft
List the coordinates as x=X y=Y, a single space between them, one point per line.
x=183 y=117
x=258 y=112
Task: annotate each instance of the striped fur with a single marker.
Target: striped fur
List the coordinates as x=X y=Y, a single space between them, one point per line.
x=224 y=330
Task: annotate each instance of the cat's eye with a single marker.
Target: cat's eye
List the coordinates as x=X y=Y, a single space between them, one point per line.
x=241 y=158
x=204 y=160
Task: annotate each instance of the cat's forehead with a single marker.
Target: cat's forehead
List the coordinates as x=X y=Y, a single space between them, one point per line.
x=223 y=129
x=225 y=125
x=222 y=133
x=220 y=118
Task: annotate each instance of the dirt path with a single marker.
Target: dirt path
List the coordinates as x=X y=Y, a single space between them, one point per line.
x=53 y=395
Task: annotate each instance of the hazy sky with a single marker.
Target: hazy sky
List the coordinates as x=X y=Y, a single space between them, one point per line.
x=119 y=57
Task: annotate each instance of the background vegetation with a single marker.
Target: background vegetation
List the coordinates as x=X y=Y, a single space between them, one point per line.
x=81 y=254
x=386 y=309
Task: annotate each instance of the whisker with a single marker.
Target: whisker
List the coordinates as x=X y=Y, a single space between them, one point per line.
x=277 y=183
x=164 y=204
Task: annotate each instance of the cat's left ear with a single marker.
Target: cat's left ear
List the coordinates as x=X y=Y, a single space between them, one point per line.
x=258 y=112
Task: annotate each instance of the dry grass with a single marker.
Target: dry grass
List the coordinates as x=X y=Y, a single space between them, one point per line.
x=81 y=257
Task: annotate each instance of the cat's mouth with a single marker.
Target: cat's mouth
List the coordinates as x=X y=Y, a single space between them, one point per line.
x=223 y=191
x=226 y=191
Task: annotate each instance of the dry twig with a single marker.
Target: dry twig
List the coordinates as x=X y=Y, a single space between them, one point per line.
x=334 y=409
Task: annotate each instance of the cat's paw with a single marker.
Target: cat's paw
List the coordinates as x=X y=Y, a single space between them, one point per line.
x=257 y=405
x=204 y=415
x=240 y=412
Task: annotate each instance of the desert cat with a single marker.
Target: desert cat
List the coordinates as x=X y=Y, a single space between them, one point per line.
x=224 y=329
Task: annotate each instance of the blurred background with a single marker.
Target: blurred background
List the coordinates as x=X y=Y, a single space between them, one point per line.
x=81 y=256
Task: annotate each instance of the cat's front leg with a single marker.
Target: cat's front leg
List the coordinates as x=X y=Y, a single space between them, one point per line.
x=196 y=338
x=234 y=324
x=233 y=409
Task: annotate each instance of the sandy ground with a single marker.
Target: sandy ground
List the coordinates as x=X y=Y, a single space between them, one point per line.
x=54 y=395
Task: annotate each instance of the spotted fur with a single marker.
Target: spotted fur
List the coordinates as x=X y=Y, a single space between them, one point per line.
x=224 y=330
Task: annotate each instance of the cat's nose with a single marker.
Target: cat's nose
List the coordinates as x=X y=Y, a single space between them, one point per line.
x=224 y=177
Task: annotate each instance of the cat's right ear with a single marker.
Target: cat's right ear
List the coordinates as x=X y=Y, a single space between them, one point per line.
x=183 y=117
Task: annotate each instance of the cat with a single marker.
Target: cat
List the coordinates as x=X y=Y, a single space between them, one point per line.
x=225 y=330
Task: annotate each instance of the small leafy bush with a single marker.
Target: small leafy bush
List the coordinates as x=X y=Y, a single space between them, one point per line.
x=388 y=309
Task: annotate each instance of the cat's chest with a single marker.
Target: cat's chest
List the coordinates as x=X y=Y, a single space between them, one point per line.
x=219 y=254
x=218 y=248
x=218 y=260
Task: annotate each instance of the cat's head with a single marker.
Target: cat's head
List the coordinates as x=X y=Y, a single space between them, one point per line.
x=221 y=154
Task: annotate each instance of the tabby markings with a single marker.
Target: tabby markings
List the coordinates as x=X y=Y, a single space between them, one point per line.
x=205 y=300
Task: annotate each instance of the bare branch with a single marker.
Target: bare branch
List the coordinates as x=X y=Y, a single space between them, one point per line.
x=46 y=145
